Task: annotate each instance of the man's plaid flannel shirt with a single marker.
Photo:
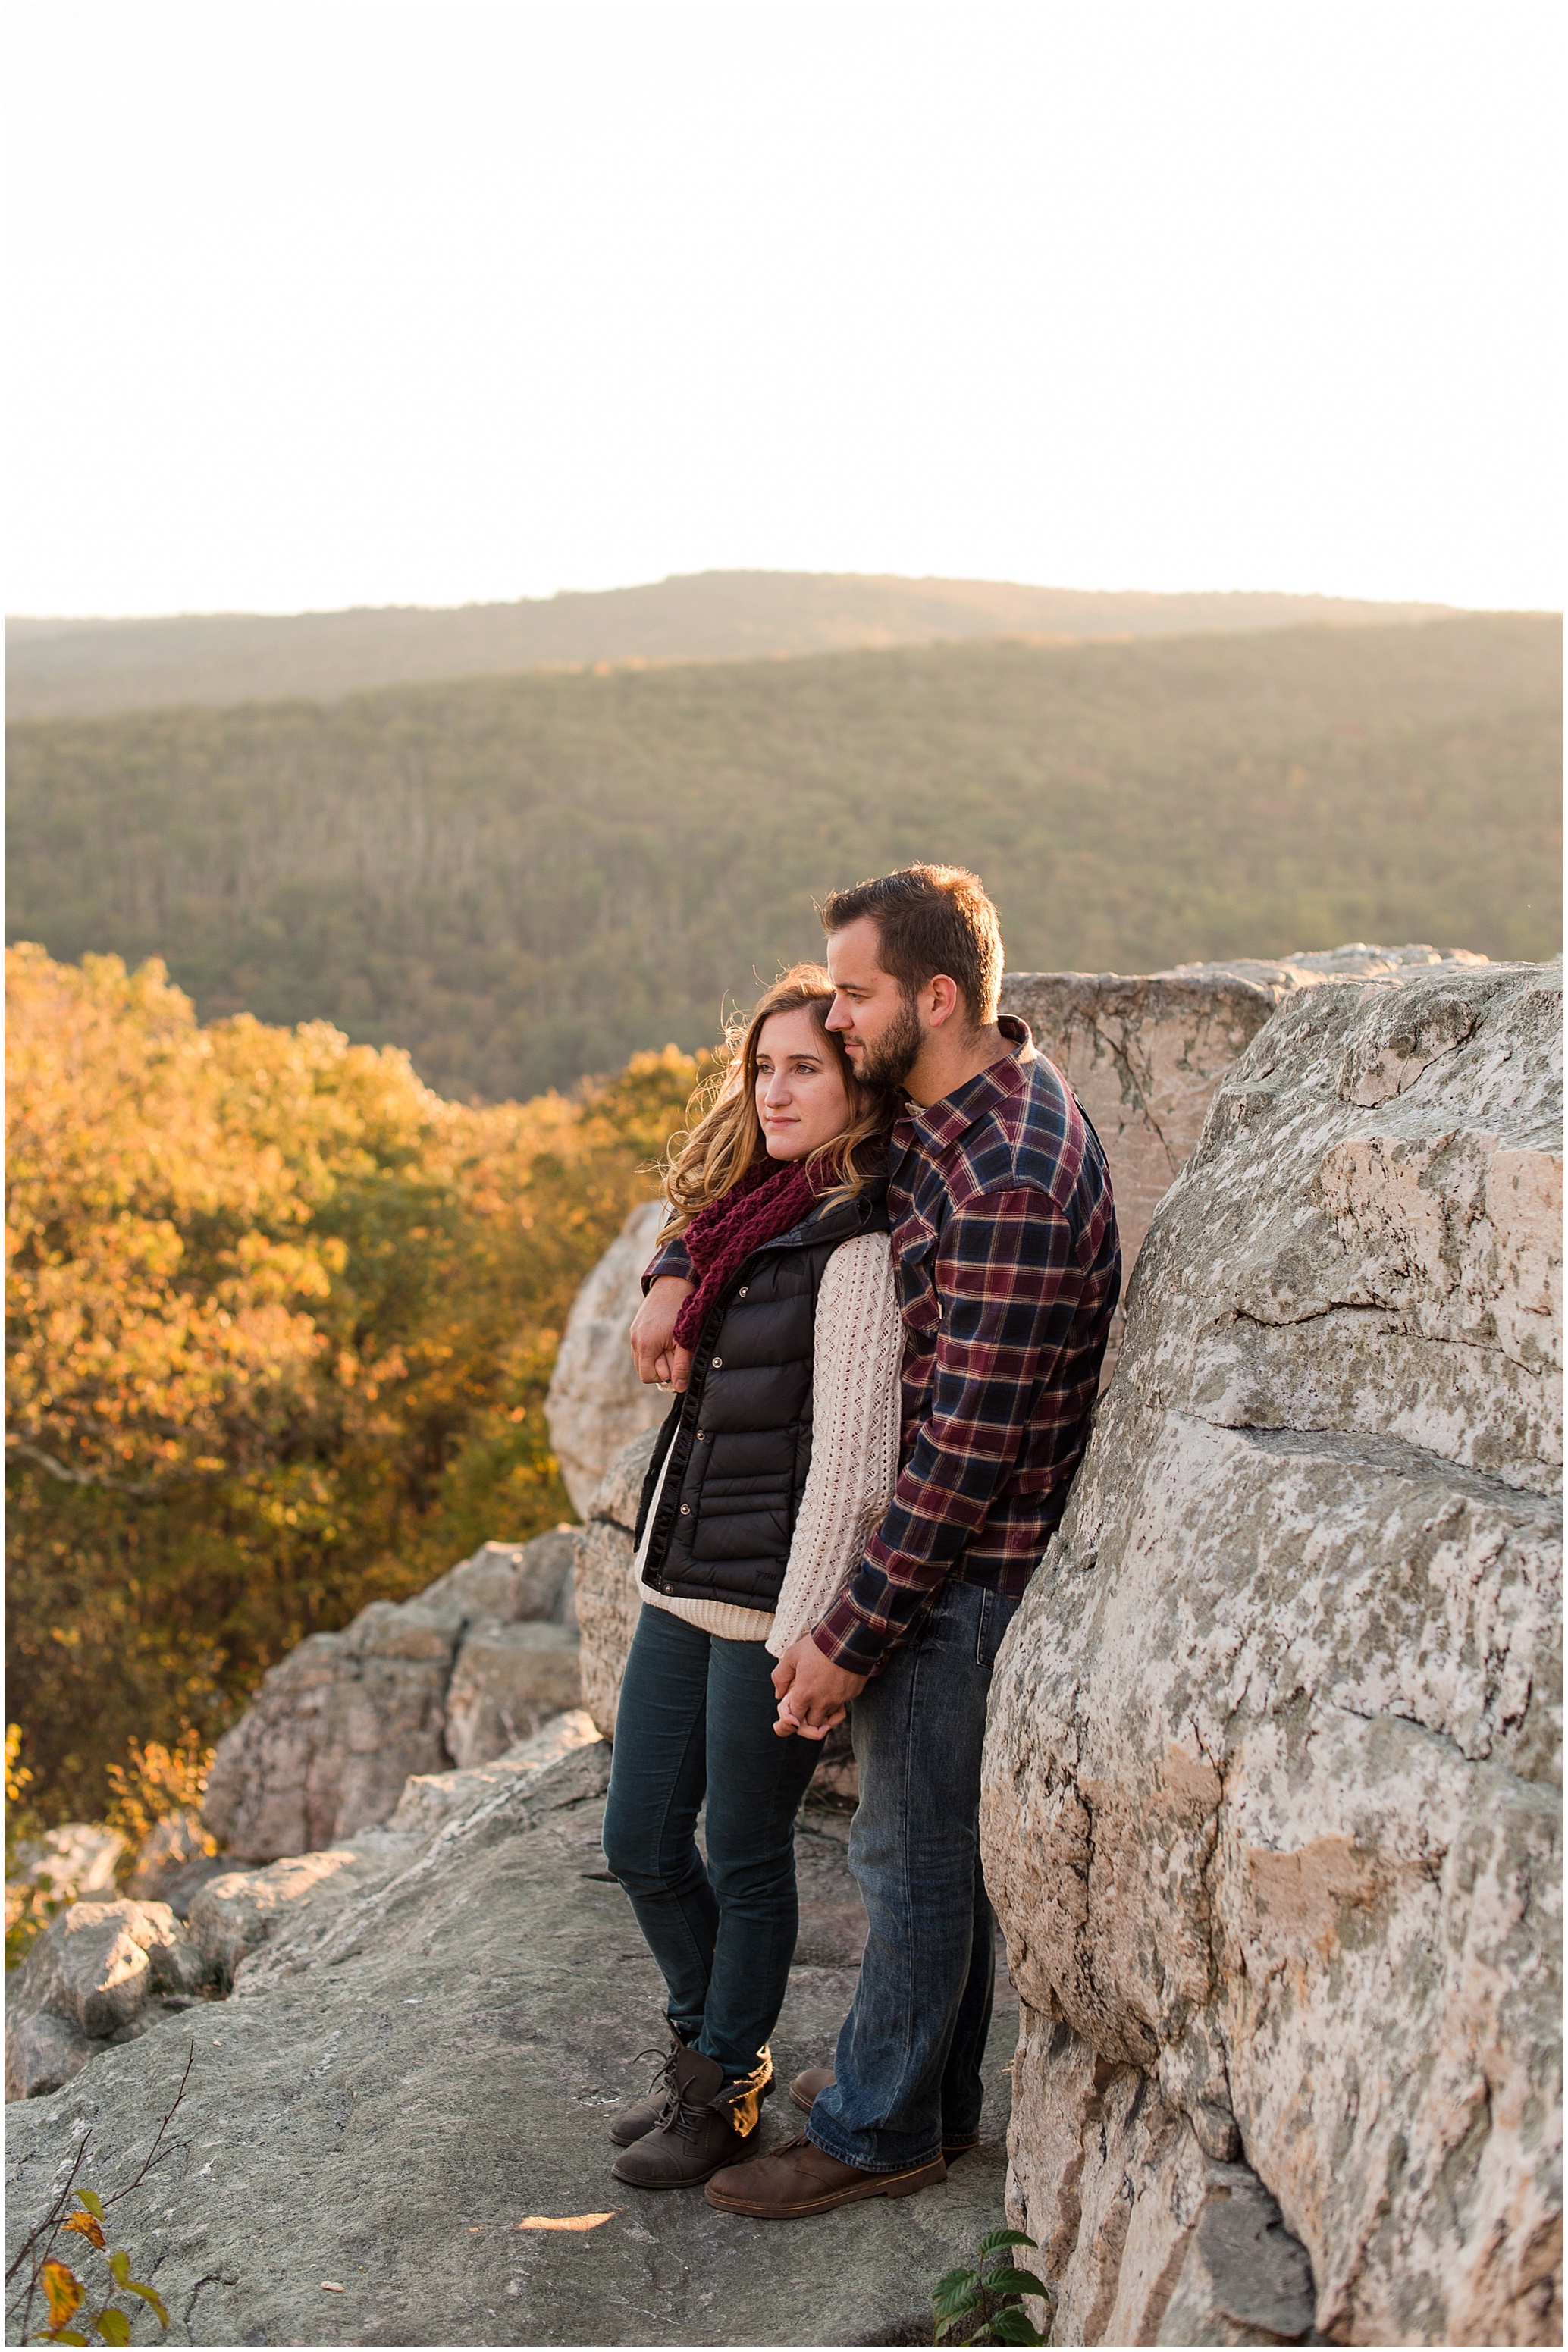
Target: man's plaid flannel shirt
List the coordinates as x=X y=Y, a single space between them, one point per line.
x=1009 y=1270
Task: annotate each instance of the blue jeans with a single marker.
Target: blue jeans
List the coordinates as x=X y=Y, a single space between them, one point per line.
x=907 y=2077
x=696 y=1719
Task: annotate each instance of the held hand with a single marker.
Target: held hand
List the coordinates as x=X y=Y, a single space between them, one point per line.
x=813 y=1692
x=654 y=1351
x=787 y=1727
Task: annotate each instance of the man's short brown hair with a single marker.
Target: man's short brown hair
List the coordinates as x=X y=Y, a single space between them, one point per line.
x=929 y=919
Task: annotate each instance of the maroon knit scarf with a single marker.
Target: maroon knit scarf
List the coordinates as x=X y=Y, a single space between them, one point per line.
x=767 y=1201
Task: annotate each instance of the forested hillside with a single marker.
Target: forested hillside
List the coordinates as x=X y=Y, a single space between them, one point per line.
x=74 y=668
x=279 y=1328
x=522 y=880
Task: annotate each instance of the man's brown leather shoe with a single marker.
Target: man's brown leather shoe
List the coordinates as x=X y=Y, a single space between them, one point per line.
x=799 y=2179
x=807 y=2088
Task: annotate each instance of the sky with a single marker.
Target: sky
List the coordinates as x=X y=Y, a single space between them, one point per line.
x=327 y=305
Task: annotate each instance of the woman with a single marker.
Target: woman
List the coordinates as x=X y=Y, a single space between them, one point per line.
x=769 y=1473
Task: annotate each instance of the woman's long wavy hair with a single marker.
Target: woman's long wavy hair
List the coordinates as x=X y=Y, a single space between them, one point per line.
x=724 y=1137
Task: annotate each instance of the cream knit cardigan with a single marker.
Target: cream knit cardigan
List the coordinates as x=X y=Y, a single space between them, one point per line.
x=858 y=1348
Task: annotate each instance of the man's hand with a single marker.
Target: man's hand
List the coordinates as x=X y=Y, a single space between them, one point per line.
x=654 y=1351
x=813 y=1692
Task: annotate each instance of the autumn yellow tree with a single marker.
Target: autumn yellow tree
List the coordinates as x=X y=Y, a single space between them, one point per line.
x=280 y=1324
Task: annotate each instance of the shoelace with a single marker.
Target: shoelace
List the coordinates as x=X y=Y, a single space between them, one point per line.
x=665 y=2076
x=683 y=2116
x=666 y=2070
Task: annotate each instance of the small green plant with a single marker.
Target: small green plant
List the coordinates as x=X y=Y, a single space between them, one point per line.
x=74 y=2224
x=985 y=2300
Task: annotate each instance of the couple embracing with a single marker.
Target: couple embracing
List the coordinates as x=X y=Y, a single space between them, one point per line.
x=880 y=1299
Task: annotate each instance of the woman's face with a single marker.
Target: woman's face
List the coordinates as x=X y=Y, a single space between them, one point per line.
x=802 y=1098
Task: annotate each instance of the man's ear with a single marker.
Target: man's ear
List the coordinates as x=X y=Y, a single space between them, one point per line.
x=944 y=1001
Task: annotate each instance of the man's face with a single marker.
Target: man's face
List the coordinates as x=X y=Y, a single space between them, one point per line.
x=879 y=1024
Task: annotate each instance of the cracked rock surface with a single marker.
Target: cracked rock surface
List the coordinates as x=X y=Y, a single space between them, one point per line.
x=423 y=2054
x=1272 y=1808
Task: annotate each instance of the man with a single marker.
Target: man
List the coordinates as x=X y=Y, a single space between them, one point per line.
x=1009 y=1269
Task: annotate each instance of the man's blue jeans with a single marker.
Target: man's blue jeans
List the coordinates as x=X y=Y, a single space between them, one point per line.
x=908 y=2072
x=695 y=1719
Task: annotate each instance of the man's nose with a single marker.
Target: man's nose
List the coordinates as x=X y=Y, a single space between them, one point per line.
x=840 y=1015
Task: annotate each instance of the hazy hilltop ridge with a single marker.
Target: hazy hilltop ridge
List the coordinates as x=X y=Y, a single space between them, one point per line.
x=523 y=879
x=59 y=668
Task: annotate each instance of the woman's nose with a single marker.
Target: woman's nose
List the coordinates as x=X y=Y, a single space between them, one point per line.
x=777 y=1092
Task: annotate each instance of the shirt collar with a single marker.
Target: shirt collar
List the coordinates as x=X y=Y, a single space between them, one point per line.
x=940 y=1124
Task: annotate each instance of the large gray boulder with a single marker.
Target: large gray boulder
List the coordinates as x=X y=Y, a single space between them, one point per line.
x=1273 y=1784
x=507 y=1681
x=249 y=1924
x=334 y=1732
x=597 y=1403
x=1144 y=1053
x=406 y=2100
x=99 y=1974
x=342 y=1722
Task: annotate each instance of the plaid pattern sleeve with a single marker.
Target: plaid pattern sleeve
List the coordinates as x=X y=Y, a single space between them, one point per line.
x=1009 y=1294
x=669 y=1258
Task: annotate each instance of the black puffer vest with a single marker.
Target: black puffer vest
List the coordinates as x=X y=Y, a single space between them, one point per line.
x=739 y=1441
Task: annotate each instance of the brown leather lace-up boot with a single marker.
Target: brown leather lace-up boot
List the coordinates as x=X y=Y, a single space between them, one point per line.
x=636 y=2122
x=632 y=2125
x=705 y=2123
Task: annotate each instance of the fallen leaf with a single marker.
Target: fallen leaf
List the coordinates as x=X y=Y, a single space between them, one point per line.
x=568 y=2221
x=331 y=2286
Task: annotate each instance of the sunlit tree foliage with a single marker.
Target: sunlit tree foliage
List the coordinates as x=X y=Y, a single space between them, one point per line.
x=282 y=1321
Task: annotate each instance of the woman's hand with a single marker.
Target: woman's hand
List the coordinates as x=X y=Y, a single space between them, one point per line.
x=654 y=1351
x=787 y=1727
x=813 y=1692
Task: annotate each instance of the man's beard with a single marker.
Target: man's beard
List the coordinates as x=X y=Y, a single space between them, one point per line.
x=887 y=1063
